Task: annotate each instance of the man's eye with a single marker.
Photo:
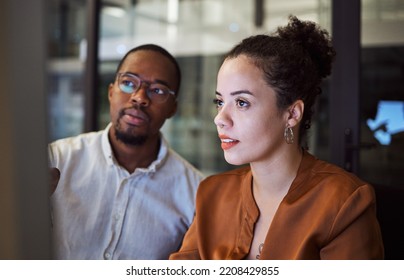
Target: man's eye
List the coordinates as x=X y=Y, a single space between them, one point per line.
x=127 y=86
x=130 y=83
x=158 y=90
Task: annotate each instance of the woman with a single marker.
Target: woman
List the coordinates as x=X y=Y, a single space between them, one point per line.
x=285 y=204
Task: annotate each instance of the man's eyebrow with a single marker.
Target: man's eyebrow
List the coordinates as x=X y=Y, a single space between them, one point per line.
x=161 y=82
x=237 y=92
x=131 y=73
x=157 y=81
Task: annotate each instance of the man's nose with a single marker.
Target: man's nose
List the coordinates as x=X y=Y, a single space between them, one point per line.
x=140 y=96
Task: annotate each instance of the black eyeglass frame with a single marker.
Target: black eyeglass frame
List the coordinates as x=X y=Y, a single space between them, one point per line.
x=166 y=91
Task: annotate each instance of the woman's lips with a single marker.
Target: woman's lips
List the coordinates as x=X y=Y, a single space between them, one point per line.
x=227 y=142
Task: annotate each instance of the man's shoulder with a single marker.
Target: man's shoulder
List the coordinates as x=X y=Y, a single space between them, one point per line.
x=75 y=147
x=176 y=161
x=78 y=140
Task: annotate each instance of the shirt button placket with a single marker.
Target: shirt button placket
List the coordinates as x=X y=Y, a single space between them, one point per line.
x=121 y=203
x=107 y=256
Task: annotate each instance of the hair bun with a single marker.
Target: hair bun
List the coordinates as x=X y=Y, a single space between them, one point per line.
x=313 y=39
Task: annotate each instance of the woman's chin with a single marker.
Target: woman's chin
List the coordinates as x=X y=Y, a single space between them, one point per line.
x=234 y=160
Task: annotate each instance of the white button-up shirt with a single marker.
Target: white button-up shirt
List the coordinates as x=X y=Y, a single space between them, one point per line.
x=101 y=211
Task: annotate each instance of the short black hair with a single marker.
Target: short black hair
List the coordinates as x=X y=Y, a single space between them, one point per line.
x=155 y=48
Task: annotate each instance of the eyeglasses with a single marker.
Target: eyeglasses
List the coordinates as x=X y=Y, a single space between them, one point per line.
x=130 y=84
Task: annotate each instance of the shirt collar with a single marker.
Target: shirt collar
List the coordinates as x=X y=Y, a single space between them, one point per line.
x=155 y=165
x=106 y=146
x=162 y=155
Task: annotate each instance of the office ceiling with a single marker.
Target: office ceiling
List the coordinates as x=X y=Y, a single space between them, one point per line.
x=190 y=27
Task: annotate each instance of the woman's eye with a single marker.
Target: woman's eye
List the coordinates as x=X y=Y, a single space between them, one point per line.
x=242 y=103
x=218 y=102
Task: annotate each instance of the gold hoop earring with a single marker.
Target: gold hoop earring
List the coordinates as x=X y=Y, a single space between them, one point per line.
x=288 y=135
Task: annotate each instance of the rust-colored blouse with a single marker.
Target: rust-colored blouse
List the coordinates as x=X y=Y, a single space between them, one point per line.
x=327 y=213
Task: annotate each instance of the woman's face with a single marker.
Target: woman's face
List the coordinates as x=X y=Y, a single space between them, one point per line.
x=248 y=121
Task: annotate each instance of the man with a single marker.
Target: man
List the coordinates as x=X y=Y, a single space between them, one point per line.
x=123 y=193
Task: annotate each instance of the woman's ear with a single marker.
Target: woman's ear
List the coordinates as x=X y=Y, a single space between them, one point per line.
x=295 y=113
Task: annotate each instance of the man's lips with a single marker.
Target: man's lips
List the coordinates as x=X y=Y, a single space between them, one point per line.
x=135 y=117
x=227 y=142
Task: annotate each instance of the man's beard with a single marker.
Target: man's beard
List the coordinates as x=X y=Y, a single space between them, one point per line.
x=127 y=137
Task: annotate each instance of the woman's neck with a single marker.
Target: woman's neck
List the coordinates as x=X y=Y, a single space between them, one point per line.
x=275 y=175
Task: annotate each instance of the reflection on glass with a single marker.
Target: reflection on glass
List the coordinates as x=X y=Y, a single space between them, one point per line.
x=66 y=69
x=389 y=120
x=382 y=120
x=66 y=103
x=198 y=33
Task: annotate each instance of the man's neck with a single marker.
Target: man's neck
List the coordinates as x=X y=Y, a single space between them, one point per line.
x=131 y=157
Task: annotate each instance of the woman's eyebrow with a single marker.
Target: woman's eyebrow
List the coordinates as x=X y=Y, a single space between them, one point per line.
x=237 y=92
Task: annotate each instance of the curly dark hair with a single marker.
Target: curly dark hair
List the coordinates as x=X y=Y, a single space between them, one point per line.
x=294 y=60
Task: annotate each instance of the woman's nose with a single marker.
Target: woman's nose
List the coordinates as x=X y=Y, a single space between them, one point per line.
x=222 y=119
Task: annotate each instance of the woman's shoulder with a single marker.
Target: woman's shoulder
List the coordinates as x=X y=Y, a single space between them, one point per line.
x=328 y=177
x=227 y=181
x=334 y=173
x=230 y=175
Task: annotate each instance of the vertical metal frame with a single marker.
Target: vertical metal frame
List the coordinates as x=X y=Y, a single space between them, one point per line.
x=91 y=99
x=345 y=84
x=259 y=13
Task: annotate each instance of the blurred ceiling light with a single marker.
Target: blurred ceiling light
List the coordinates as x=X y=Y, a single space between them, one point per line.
x=114 y=11
x=121 y=49
x=234 y=27
x=172 y=11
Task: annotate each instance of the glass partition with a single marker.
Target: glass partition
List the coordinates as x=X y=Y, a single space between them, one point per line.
x=198 y=33
x=382 y=93
x=66 y=67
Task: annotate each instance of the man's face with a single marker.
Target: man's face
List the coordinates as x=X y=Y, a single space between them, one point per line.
x=135 y=117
